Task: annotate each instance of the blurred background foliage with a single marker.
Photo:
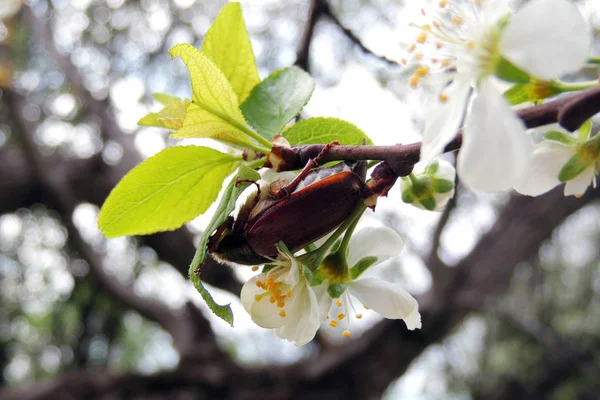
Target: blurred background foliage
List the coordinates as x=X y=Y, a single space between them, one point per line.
x=67 y=58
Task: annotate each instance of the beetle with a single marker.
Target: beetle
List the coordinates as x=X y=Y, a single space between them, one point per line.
x=313 y=204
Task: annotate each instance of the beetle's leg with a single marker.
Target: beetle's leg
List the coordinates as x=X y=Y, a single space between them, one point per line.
x=312 y=163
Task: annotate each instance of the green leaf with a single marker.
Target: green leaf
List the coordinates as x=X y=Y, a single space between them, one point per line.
x=166 y=99
x=215 y=111
x=171 y=116
x=572 y=168
x=226 y=207
x=325 y=130
x=509 y=72
x=228 y=45
x=517 y=94
x=559 y=136
x=165 y=191
x=222 y=311
x=278 y=99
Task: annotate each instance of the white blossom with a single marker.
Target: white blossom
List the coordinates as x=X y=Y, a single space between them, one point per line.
x=281 y=299
x=389 y=300
x=464 y=44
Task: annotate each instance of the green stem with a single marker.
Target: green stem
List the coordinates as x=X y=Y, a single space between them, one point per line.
x=575 y=86
x=343 y=250
x=352 y=219
x=314 y=258
x=413 y=178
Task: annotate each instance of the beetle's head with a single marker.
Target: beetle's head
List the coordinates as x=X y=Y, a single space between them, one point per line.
x=226 y=246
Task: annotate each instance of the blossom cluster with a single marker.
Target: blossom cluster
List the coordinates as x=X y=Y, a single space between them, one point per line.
x=294 y=301
x=471 y=51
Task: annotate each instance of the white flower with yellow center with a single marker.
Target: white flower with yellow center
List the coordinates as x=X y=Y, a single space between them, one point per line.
x=367 y=248
x=281 y=299
x=467 y=44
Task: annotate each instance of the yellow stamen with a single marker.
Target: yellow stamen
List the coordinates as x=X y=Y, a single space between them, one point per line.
x=341 y=316
x=347 y=333
x=470 y=45
x=358 y=316
x=443 y=3
x=255 y=268
x=443 y=98
x=445 y=63
x=282 y=313
x=338 y=303
x=422 y=71
x=414 y=81
x=419 y=56
x=437 y=25
x=457 y=19
x=412 y=48
x=422 y=37
x=333 y=324
x=427 y=27
x=366 y=308
x=403 y=61
x=439 y=45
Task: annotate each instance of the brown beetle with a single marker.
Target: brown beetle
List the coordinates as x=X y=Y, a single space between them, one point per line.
x=312 y=205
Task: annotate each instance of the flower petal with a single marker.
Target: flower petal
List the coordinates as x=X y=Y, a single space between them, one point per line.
x=545 y=163
x=444 y=121
x=388 y=300
x=578 y=185
x=547 y=38
x=250 y=291
x=380 y=242
x=302 y=316
x=495 y=148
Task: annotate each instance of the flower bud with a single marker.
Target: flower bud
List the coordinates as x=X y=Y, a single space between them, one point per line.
x=430 y=186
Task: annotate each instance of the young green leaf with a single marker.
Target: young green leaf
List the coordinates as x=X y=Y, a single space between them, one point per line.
x=278 y=99
x=226 y=206
x=171 y=116
x=165 y=191
x=214 y=112
x=228 y=45
x=166 y=99
x=325 y=130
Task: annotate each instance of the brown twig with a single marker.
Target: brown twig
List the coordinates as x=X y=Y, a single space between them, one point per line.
x=571 y=111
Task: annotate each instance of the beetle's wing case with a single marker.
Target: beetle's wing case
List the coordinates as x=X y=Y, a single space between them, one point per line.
x=322 y=201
